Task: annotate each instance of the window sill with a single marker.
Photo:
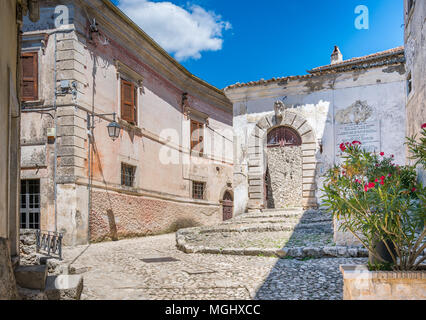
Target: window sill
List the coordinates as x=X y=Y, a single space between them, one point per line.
x=129 y=126
x=32 y=104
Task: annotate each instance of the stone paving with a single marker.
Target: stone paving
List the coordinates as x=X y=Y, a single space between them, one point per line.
x=116 y=270
x=291 y=233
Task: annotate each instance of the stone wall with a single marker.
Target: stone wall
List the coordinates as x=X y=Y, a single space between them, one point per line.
x=117 y=216
x=415 y=52
x=8 y=289
x=285 y=177
x=28 y=254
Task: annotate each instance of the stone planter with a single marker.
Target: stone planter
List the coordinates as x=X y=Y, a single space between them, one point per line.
x=362 y=284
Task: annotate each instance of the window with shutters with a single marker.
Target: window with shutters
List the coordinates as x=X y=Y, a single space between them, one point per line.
x=29 y=76
x=197 y=137
x=129 y=102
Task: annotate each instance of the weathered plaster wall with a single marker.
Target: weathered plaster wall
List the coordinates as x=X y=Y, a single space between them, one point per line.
x=117 y=216
x=285 y=177
x=95 y=65
x=9 y=142
x=415 y=52
x=323 y=101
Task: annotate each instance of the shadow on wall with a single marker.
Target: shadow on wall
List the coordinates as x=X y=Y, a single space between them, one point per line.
x=182 y=223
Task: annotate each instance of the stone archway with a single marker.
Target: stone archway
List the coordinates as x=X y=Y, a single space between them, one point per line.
x=258 y=157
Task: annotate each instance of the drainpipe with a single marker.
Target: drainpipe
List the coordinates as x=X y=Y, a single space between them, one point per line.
x=55 y=190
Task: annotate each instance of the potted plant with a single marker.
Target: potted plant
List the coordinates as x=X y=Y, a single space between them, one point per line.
x=383 y=206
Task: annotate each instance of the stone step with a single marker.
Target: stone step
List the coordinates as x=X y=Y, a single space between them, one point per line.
x=31 y=277
x=295 y=220
x=267 y=227
x=284 y=253
x=64 y=287
x=298 y=214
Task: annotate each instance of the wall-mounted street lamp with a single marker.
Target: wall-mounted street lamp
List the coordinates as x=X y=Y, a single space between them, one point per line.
x=113 y=127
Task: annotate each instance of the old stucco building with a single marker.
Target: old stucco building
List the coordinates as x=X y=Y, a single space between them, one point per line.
x=171 y=165
x=11 y=12
x=415 y=52
x=288 y=130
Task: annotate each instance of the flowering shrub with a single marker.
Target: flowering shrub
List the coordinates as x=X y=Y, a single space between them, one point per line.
x=418 y=149
x=376 y=200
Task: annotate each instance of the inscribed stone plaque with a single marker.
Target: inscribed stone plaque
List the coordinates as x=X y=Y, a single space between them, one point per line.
x=368 y=133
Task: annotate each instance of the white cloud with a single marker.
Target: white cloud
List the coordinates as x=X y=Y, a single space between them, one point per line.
x=184 y=33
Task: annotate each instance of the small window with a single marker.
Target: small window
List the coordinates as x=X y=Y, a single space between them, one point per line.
x=129 y=102
x=127 y=175
x=198 y=189
x=29 y=76
x=197 y=137
x=409 y=84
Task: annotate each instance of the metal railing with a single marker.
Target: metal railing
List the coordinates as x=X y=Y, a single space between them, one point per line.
x=49 y=241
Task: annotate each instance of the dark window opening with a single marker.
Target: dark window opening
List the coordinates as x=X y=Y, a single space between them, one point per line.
x=198 y=189
x=409 y=84
x=197 y=137
x=127 y=175
x=410 y=5
x=30 y=204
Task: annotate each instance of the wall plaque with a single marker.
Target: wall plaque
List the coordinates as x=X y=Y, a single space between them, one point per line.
x=368 y=133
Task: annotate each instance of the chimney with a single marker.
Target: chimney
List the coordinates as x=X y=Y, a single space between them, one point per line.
x=336 y=56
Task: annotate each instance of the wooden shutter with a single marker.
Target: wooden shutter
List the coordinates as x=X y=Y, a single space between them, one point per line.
x=197 y=136
x=127 y=101
x=29 y=76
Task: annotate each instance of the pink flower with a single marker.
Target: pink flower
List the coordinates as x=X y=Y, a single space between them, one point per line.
x=389 y=175
x=371 y=185
x=424 y=126
x=382 y=178
x=356 y=142
x=382 y=182
x=382 y=154
x=413 y=190
x=376 y=181
x=343 y=147
x=366 y=188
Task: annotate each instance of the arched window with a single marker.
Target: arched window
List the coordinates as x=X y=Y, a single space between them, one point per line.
x=284 y=137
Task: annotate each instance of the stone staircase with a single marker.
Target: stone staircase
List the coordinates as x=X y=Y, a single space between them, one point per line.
x=35 y=283
x=285 y=233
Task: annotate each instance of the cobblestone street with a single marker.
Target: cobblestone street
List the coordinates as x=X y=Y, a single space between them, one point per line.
x=116 y=270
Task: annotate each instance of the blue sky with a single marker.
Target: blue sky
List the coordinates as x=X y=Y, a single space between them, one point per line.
x=224 y=42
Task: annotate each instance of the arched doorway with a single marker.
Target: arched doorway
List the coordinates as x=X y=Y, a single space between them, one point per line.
x=228 y=206
x=284 y=178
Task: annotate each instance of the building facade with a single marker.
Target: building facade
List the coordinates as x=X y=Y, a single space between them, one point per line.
x=415 y=52
x=88 y=67
x=288 y=130
x=11 y=13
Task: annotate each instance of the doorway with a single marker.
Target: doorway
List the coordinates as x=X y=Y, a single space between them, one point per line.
x=228 y=206
x=284 y=175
